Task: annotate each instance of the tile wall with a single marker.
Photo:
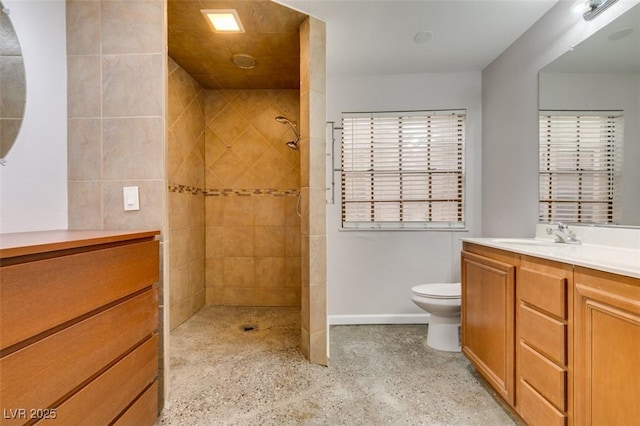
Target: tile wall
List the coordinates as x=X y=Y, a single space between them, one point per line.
x=185 y=171
x=116 y=108
x=252 y=181
x=116 y=97
x=313 y=190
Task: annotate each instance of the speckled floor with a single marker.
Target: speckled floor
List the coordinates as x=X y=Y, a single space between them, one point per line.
x=377 y=375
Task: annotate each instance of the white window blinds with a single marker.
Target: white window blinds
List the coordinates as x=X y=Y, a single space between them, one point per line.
x=403 y=169
x=580 y=158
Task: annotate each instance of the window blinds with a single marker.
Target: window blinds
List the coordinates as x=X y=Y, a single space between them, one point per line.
x=580 y=159
x=403 y=169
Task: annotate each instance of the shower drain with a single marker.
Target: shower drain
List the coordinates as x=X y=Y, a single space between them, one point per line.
x=248 y=328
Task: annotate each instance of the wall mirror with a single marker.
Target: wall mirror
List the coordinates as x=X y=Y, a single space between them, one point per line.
x=12 y=84
x=589 y=100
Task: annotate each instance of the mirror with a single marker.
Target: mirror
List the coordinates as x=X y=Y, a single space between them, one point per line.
x=12 y=84
x=601 y=74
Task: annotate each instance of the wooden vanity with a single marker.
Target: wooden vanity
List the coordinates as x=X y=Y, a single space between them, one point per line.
x=559 y=343
x=79 y=327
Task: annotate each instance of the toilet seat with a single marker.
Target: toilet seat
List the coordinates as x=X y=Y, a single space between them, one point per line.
x=438 y=291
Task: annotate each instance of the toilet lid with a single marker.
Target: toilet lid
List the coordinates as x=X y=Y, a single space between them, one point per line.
x=438 y=291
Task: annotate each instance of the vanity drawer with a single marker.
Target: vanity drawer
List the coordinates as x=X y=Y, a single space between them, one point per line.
x=545 y=291
x=535 y=410
x=543 y=375
x=40 y=295
x=37 y=375
x=543 y=333
x=144 y=410
x=97 y=403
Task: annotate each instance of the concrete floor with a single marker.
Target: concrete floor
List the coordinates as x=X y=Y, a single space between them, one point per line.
x=378 y=375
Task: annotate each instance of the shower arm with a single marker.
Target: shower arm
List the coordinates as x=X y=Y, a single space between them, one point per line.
x=285 y=120
x=295 y=131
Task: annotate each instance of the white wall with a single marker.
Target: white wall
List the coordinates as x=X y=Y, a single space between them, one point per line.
x=33 y=183
x=370 y=273
x=607 y=91
x=510 y=117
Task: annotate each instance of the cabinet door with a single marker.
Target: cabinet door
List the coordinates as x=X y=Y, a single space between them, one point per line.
x=607 y=349
x=488 y=320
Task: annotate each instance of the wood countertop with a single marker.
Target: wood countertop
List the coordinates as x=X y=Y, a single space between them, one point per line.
x=38 y=242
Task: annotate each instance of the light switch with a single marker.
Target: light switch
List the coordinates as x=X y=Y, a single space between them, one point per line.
x=131 y=200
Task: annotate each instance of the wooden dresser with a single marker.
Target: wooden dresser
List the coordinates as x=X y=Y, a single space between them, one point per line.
x=79 y=328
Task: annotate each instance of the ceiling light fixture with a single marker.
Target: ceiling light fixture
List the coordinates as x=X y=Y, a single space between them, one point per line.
x=592 y=8
x=223 y=20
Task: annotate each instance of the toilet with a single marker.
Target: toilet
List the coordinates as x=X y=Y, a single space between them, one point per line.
x=442 y=301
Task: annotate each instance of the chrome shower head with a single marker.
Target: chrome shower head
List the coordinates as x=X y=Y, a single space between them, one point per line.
x=285 y=120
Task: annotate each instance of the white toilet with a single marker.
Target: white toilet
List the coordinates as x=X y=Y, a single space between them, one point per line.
x=442 y=301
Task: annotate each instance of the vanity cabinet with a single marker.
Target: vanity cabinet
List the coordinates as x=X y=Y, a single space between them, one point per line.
x=607 y=348
x=559 y=343
x=79 y=327
x=487 y=324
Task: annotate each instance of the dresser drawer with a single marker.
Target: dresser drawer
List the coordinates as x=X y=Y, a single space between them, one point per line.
x=37 y=375
x=543 y=375
x=98 y=403
x=535 y=410
x=544 y=291
x=144 y=410
x=543 y=333
x=40 y=295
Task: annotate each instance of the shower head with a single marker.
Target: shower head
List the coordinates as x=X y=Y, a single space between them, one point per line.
x=285 y=120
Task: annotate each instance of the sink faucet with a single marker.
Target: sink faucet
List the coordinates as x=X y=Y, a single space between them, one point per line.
x=563 y=234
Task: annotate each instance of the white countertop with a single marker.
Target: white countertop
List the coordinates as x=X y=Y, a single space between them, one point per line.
x=595 y=253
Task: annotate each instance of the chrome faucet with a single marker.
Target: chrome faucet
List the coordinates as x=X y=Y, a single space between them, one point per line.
x=563 y=234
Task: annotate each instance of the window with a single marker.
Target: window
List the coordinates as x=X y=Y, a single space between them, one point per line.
x=403 y=170
x=580 y=158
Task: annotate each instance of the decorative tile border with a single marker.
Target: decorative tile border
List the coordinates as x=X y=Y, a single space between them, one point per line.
x=234 y=192
x=185 y=189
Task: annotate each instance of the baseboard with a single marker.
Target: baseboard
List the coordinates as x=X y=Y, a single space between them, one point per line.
x=378 y=319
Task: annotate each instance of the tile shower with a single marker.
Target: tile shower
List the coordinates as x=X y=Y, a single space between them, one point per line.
x=233 y=197
x=258 y=250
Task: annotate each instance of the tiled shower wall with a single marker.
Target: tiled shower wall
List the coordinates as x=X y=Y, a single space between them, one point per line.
x=252 y=181
x=313 y=188
x=185 y=170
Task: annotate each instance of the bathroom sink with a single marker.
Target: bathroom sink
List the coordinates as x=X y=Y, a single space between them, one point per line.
x=524 y=241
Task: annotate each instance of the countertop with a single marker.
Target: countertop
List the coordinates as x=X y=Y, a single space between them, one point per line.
x=29 y=243
x=617 y=260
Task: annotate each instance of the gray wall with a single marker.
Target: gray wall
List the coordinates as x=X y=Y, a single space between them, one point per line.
x=371 y=272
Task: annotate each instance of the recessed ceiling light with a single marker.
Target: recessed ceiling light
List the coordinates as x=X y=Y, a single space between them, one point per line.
x=223 y=20
x=423 y=36
x=620 y=34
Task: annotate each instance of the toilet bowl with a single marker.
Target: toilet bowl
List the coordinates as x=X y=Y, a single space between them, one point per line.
x=442 y=301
